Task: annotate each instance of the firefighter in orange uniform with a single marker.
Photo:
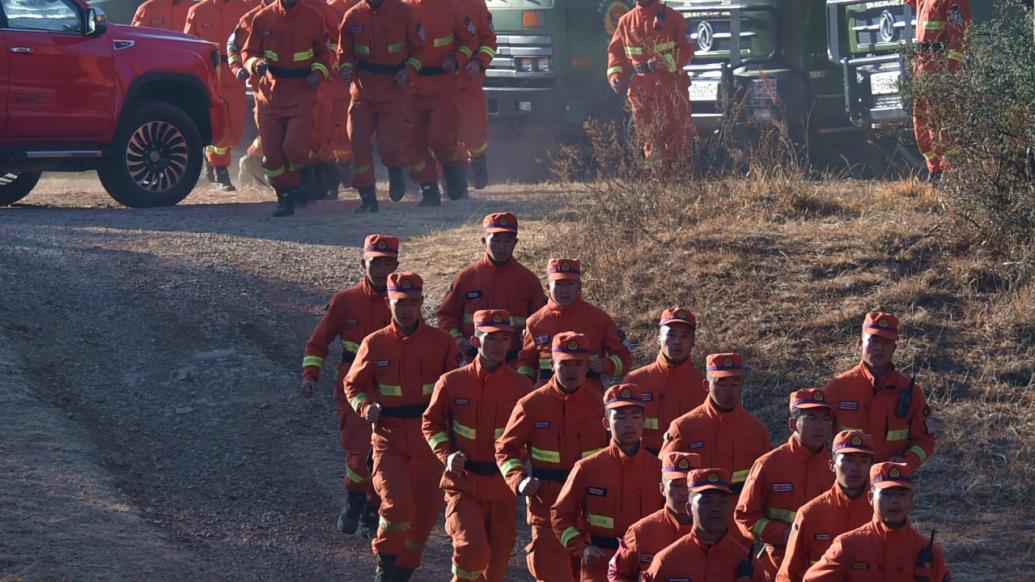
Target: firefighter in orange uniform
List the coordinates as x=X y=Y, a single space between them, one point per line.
x=567 y=311
x=497 y=279
x=322 y=178
x=251 y=163
x=556 y=425
x=647 y=537
x=721 y=430
x=648 y=51
x=287 y=46
x=352 y=315
x=379 y=53
x=468 y=412
x=888 y=548
x=390 y=385
x=786 y=478
x=449 y=46
x=877 y=399
x=671 y=385
x=474 y=110
x=610 y=490
x=215 y=21
x=842 y=508
x=337 y=169
x=941 y=32
x=711 y=552
x=164 y=14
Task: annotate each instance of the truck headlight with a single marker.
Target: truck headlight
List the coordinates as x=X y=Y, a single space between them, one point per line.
x=542 y=64
x=524 y=65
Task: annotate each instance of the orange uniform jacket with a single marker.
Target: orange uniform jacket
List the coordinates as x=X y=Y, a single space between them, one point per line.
x=862 y=403
x=468 y=412
x=555 y=430
x=692 y=559
x=485 y=285
x=943 y=21
x=440 y=25
x=166 y=14
x=352 y=315
x=604 y=495
x=727 y=440
x=875 y=553
x=642 y=541
x=780 y=482
x=817 y=524
x=669 y=392
x=478 y=22
x=645 y=32
x=383 y=38
x=215 y=21
x=235 y=42
x=605 y=339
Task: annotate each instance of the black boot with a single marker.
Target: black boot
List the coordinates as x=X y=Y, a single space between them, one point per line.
x=285 y=202
x=456 y=181
x=369 y=520
x=396 y=184
x=223 y=179
x=348 y=519
x=210 y=173
x=429 y=195
x=345 y=174
x=329 y=180
x=386 y=571
x=309 y=191
x=480 y=172
x=402 y=574
x=368 y=196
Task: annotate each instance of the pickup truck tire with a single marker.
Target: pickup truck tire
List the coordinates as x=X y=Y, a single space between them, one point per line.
x=16 y=185
x=155 y=159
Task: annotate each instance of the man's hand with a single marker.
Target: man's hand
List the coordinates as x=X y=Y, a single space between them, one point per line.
x=449 y=64
x=593 y=555
x=401 y=78
x=372 y=413
x=596 y=364
x=617 y=85
x=314 y=79
x=308 y=388
x=473 y=68
x=242 y=75
x=260 y=68
x=529 y=486
x=346 y=75
x=455 y=463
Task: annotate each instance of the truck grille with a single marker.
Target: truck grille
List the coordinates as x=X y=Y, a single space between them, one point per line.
x=522 y=57
x=713 y=33
x=879 y=26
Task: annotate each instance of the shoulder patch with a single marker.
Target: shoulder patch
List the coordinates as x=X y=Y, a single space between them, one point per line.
x=823 y=537
x=356 y=29
x=782 y=487
x=473 y=294
x=542 y=340
x=542 y=424
x=860 y=566
x=596 y=491
x=647 y=396
x=461 y=401
x=351 y=322
x=848 y=405
x=383 y=363
x=697 y=445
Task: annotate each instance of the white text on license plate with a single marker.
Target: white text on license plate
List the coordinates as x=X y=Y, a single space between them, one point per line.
x=884 y=83
x=704 y=91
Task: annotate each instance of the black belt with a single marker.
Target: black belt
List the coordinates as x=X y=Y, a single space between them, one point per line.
x=379 y=68
x=431 y=71
x=282 y=73
x=481 y=468
x=930 y=47
x=409 y=411
x=602 y=542
x=556 y=475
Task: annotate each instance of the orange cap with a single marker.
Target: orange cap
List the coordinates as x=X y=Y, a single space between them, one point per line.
x=404 y=284
x=887 y=475
x=852 y=441
x=569 y=345
x=676 y=464
x=705 y=479
x=882 y=324
x=809 y=398
x=679 y=315
x=500 y=222
x=622 y=395
x=492 y=320
x=723 y=365
x=558 y=269
x=380 y=245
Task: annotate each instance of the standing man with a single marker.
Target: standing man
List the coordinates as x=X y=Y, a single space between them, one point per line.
x=671 y=385
x=710 y=552
x=555 y=426
x=497 y=279
x=721 y=430
x=647 y=537
x=287 y=46
x=877 y=399
x=164 y=14
x=786 y=478
x=449 y=46
x=941 y=34
x=390 y=385
x=251 y=163
x=843 y=508
x=610 y=490
x=566 y=311
x=352 y=315
x=468 y=412
x=887 y=548
x=379 y=55
x=648 y=51
x=215 y=21
x=474 y=110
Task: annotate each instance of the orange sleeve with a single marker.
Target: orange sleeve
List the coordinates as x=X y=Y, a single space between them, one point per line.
x=322 y=62
x=416 y=45
x=511 y=448
x=795 y=556
x=832 y=567
x=625 y=564
x=618 y=359
x=251 y=50
x=359 y=383
x=189 y=27
x=467 y=41
x=684 y=48
x=528 y=357
x=316 y=349
x=346 y=58
x=434 y=426
x=958 y=21
x=673 y=441
x=921 y=441
x=566 y=514
x=618 y=66
x=139 y=15
x=486 y=37
x=451 y=312
x=750 y=512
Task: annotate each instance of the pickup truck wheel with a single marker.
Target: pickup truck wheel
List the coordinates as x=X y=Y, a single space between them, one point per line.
x=155 y=159
x=16 y=185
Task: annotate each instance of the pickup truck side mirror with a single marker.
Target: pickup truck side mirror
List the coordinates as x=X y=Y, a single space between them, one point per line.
x=96 y=21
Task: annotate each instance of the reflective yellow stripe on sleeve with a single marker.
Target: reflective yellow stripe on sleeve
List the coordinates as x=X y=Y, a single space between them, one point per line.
x=545 y=363
x=303 y=56
x=518 y=321
x=759 y=528
x=312 y=362
x=272 y=55
x=455 y=333
x=464 y=430
x=783 y=515
x=615 y=70
x=919 y=452
x=934 y=25
x=650 y=423
x=361 y=49
x=568 y=535
x=437 y=439
x=588 y=453
x=955 y=55
x=442 y=41
x=349 y=346
x=358 y=399
x=546 y=456
x=633 y=51
x=466 y=51
x=498 y=433
x=602 y=521
x=510 y=466
x=393 y=527
x=740 y=476
x=663 y=47
x=415 y=63
x=487 y=50
x=428 y=389
x=467 y=574
x=618 y=365
x=897 y=435
x=395 y=47
x=354 y=476
x=275 y=172
x=390 y=389
x=526 y=371
x=322 y=68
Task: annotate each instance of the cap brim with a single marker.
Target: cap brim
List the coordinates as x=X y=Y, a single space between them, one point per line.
x=711 y=487
x=891 y=335
x=491 y=328
x=725 y=373
x=380 y=254
x=405 y=294
x=677 y=322
x=493 y=229
x=561 y=356
x=673 y=474
x=847 y=450
x=564 y=276
x=889 y=483
x=623 y=404
x=815 y=405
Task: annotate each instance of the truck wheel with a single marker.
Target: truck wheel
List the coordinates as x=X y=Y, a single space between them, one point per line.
x=16 y=185
x=155 y=159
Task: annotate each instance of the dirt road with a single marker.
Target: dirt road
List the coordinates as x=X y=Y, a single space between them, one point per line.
x=150 y=361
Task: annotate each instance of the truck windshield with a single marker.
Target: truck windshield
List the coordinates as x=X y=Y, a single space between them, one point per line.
x=522 y=4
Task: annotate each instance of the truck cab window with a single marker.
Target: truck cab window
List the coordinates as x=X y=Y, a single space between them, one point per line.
x=43 y=15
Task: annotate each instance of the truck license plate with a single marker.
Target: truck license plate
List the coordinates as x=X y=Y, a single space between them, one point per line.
x=704 y=91
x=884 y=83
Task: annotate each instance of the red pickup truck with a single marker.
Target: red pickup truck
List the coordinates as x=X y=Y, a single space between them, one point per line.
x=138 y=105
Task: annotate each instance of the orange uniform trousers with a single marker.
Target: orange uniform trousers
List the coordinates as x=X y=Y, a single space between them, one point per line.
x=286 y=132
x=436 y=127
x=236 y=100
x=380 y=109
x=547 y=560
x=474 y=116
x=475 y=546
x=660 y=108
x=354 y=433
x=926 y=125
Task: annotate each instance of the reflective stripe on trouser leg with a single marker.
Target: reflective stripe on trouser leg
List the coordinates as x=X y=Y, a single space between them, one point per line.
x=424 y=168
x=474 y=119
x=425 y=473
x=361 y=127
x=547 y=559
x=272 y=130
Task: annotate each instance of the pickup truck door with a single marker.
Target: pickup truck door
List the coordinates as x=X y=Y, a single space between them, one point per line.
x=61 y=88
